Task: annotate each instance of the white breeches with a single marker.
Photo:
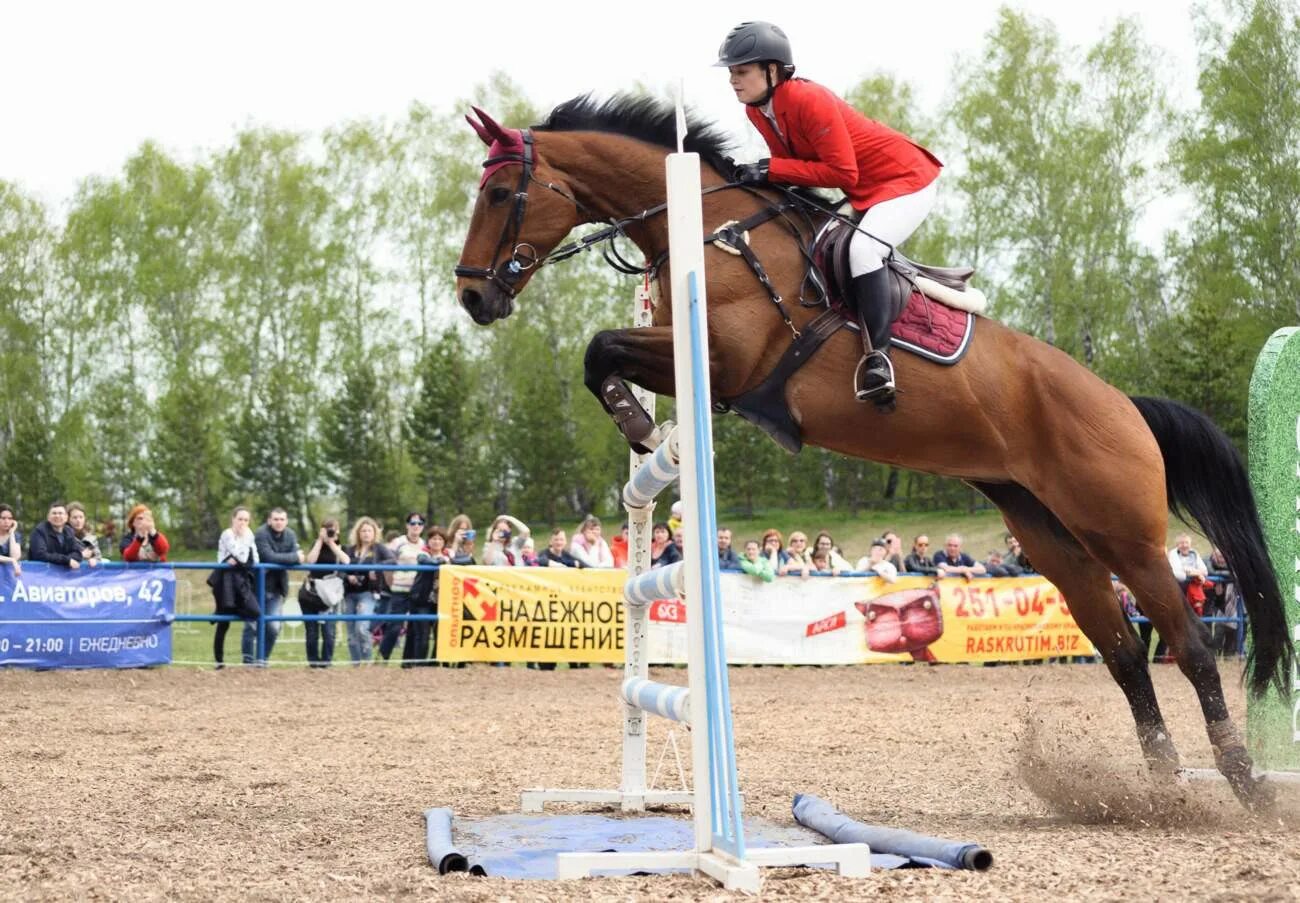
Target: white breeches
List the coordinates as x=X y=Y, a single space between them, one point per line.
x=891 y=221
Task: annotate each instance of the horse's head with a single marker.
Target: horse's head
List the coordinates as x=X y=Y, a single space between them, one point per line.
x=511 y=230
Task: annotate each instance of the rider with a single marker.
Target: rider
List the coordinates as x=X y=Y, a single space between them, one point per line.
x=819 y=141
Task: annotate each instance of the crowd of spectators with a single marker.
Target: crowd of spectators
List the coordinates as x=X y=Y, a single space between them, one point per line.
x=66 y=538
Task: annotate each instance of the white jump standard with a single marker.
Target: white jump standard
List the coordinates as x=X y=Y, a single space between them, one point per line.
x=705 y=705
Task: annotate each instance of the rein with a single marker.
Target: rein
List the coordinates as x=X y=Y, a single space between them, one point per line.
x=524 y=256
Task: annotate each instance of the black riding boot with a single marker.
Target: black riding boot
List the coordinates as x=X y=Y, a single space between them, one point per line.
x=874 y=380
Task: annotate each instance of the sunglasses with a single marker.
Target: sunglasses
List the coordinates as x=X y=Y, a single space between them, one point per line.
x=415 y=523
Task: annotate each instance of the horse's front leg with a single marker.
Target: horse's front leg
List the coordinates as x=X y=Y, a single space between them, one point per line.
x=643 y=355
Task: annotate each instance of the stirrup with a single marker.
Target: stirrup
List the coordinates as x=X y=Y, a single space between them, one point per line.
x=878 y=393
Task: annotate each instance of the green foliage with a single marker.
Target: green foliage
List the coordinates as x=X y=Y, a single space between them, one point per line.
x=274 y=321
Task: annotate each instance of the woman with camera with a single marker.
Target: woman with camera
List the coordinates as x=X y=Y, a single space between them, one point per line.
x=505 y=542
x=322 y=590
x=362 y=589
x=143 y=541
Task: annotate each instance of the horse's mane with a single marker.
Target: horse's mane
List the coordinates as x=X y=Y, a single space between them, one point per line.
x=645 y=118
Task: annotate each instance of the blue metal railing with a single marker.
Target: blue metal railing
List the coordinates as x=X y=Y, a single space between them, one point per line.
x=1238 y=621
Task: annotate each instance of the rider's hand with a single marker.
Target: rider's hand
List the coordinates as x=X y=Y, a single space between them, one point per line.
x=753 y=173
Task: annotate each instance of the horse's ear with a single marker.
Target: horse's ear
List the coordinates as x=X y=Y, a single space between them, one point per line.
x=494 y=128
x=482 y=132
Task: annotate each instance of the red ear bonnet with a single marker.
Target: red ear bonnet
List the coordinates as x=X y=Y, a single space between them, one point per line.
x=505 y=146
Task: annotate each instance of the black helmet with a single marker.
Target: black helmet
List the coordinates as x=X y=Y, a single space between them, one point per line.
x=753 y=42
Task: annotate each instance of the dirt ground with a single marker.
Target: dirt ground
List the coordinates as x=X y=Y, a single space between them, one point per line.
x=294 y=784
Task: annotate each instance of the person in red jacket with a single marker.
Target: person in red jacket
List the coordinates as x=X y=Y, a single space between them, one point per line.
x=818 y=141
x=142 y=540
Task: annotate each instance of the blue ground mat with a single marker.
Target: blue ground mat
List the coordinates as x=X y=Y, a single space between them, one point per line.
x=525 y=846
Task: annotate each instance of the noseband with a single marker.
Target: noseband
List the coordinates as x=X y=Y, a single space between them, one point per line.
x=523 y=256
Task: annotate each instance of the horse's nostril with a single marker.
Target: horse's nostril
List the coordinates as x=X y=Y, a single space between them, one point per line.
x=470 y=298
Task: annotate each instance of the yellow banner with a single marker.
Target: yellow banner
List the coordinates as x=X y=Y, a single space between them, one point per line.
x=569 y=615
x=983 y=620
x=489 y=614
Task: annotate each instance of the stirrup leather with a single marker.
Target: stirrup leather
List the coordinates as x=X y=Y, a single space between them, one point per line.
x=874 y=362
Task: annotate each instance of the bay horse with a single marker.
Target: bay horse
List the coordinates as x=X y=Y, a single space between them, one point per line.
x=1083 y=474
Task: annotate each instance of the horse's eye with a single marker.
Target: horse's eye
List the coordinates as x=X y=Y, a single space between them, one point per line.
x=498 y=196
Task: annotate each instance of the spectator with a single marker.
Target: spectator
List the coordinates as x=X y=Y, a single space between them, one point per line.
x=675 y=517
x=276 y=544
x=422 y=637
x=1222 y=601
x=951 y=561
x=1016 y=555
x=142 y=541
x=1190 y=571
x=589 y=546
x=797 y=557
x=754 y=563
x=1126 y=601
x=998 y=566
x=233 y=586
x=504 y=541
x=90 y=550
x=325 y=550
x=556 y=554
x=877 y=561
x=663 y=551
x=408 y=549
x=772 y=548
x=618 y=547
x=528 y=552
x=918 y=560
x=727 y=558
x=679 y=540
x=362 y=589
x=893 y=549
x=822 y=564
x=824 y=543
x=53 y=541
x=463 y=535
x=11 y=550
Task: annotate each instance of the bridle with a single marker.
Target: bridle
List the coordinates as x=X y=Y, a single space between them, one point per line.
x=523 y=256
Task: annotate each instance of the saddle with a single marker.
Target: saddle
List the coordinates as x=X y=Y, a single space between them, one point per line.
x=932 y=310
x=830 y=273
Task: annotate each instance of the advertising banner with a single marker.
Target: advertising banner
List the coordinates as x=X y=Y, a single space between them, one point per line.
x=554 y=615
x=105 y=617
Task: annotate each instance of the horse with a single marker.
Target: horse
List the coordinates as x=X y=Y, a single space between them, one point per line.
x=1083 y=474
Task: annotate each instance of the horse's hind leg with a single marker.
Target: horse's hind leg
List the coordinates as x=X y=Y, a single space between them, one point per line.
x=1153 y=583
x=1086 y=585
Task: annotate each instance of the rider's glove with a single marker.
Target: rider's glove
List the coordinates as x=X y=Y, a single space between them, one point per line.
x=753 y=173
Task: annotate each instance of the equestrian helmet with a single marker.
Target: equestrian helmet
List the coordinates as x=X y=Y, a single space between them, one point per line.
x=753 y=42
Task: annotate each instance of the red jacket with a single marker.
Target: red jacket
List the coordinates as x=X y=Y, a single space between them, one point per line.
x=131 y=548
x=828 y=144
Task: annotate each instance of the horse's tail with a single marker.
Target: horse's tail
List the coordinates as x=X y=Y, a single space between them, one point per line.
x=1206 y=479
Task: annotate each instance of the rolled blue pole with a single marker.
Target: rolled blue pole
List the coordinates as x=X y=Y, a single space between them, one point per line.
x=443 y=854
x=665 y=700
x=814 y=812
x=660 y=583
x=655 y=474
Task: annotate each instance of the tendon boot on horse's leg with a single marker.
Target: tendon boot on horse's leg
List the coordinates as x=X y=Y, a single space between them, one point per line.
x=1234 y=763
x=637 y=427
x=873 y=380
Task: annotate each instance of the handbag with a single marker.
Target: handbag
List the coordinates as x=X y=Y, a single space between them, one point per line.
x=329 y=589
x=309 y=601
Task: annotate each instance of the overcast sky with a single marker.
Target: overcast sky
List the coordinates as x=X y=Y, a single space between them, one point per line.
x=83 y=84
